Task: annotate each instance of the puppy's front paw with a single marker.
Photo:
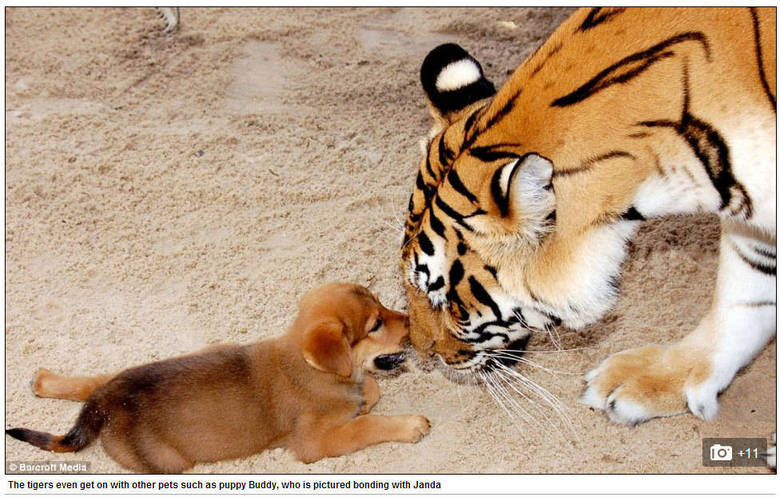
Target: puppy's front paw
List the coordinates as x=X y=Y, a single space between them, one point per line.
x=649 y=382
x=39 y=382
x=415 y=427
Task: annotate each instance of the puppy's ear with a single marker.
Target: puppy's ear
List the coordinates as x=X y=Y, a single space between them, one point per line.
x=326 y=348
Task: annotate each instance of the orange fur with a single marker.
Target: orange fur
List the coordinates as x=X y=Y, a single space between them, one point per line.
x=526 y=197
x=719 y=51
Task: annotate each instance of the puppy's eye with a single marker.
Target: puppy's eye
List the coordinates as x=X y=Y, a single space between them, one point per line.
x=376 y=326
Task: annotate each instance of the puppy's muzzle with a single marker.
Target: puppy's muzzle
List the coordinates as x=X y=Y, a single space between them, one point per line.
x=387 y=362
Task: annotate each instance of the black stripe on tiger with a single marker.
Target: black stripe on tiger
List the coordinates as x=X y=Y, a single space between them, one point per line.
x=462 y=247
x=588 y=164
x=459 y=187
x=436 y=225
x=517 y=347
x=455 y=300
x=456 y=275
x=483 y=297
x=765 y=251
x=471 y=129
x=421 y=268
x=469 y=124
x=710 y=148
x=414 y=218
x=437 y=284
x=493 y=152
x=599 y=15
x=499 y=114
x=428 y=191
x=445 y=154
x=484 y=336
x=425 y=243
x=629 y=67
x=517 y=312
x=455 y=215
x=429 y=165
x=767 y=269
x=760 y=60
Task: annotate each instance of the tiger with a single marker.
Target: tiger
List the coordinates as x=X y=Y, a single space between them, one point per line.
x=527 y=196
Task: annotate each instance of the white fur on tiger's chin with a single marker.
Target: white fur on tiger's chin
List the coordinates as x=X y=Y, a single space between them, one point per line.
x=457 y=75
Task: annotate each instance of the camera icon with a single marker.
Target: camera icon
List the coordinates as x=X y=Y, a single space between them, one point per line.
x=721 y=452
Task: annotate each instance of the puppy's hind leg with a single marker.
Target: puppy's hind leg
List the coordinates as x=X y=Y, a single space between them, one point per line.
x=157 y=455
x=55 y=386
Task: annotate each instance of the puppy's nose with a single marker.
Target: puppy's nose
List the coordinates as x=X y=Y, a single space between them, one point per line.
x=387 y=362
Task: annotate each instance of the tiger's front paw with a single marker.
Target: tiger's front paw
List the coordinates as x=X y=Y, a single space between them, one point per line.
x=649 y=382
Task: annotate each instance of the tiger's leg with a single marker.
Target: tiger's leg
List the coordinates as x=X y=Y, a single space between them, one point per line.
x=639 y=384
x=52 y=385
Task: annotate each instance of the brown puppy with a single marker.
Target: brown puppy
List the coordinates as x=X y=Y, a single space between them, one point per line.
x=308 y=390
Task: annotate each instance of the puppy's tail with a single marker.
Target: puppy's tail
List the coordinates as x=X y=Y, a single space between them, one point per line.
x=84 y=432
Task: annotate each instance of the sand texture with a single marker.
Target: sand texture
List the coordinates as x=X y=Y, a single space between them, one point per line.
x=164 y=193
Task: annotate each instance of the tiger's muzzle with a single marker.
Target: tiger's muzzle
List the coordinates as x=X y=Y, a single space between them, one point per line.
x=431 y=339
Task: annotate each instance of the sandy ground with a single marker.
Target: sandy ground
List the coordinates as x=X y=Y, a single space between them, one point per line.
x=164 y=193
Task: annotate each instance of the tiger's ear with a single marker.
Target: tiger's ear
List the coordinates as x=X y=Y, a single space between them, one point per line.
x=523 y=189
x=326 y=348
x=453 y=80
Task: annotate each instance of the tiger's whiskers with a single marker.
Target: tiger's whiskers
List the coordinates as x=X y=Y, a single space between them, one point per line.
x=555 y=337
x=488 y=379
x=542 y=393
x=538 y=410
x=519 y=357
x=505 y=394
x=557 y=351
x=395 y=229
x=512 y=391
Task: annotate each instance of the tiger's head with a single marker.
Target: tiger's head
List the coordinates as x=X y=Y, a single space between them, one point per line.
x=483 y=258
